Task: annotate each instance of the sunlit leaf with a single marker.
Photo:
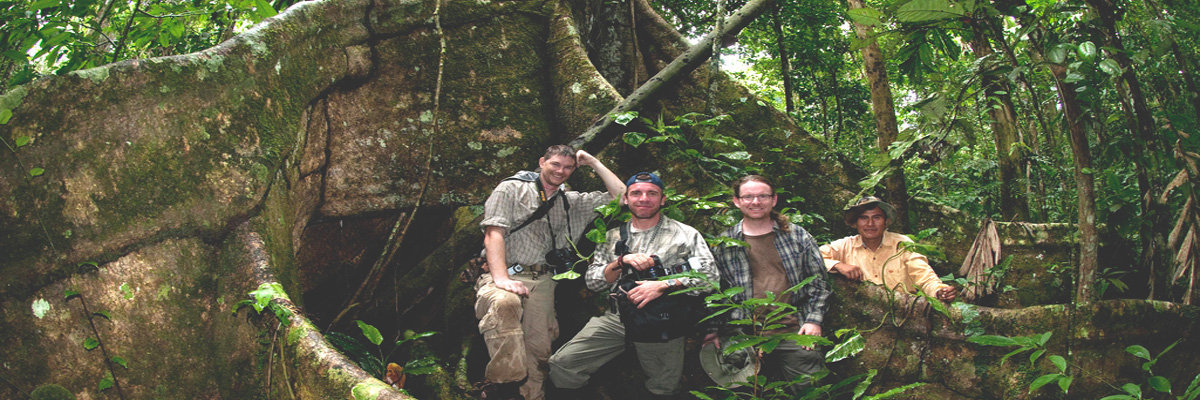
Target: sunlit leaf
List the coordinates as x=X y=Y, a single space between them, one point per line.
x=1139 y=352
x=1087 y=51
x=846 y=349
x=1042 y=381
x=1110 y=67
x=634 y=139
x=928 y=10
x=120 y=361
x=36 y=171
x=370 y=332
x=90 y=343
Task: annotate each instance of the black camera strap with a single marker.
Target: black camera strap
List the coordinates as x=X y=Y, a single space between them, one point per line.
x=544 y=209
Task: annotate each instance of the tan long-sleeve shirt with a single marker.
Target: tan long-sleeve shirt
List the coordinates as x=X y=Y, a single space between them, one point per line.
x=888 y=265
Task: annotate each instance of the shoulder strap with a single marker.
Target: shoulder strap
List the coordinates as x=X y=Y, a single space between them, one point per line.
x=538 y=213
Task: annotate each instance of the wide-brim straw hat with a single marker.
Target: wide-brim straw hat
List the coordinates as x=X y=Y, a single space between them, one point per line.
x=866 y=203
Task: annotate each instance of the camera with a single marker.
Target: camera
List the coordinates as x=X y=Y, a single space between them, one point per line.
x=561 y=260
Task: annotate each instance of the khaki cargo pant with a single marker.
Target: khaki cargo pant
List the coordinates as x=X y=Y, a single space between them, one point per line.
x=601 y=340
x=518 y=331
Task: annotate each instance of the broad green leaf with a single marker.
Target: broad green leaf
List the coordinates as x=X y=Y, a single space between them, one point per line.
x=1133 y=389
x=846 y=349
x=263 y=9
x=21 y=140
x=1160 y=383
x=736 y=155
x=928 y=10
x=1139 y=352
x=1118 y=397
x=865 y=16
x=370 y=332
x=1043 y=338
x=625 y=117
x=104 y=314
x=862 y=386
x=263 y=295
x=120 y=361
x=90 y=343
x=1058 y=53
x=68 y=294
x=40 y=307
x=38 y=5
x=1042 y=381
x=1110 y=67
x=1064 y=383
x=634 y=139
x=105 y=383
x=36 y=171
x=5 y=115
x=1033 y=357
x=1087 y=51
x=1058 y=361
x=569 y=275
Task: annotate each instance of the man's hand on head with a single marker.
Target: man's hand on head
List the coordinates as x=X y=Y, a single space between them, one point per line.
x=849 y=271
x=516 y=287
x=584 y=158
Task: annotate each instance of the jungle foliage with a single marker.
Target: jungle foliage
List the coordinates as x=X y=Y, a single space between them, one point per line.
x=1091 y=106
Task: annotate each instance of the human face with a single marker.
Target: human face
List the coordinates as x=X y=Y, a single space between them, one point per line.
x=556 y=170
x=871 y=224
x=752 y=202
x=644 y=199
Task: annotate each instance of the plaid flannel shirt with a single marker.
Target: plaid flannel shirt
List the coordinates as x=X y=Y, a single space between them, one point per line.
x=801 y=259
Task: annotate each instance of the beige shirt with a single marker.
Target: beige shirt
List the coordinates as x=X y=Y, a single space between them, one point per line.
x=888 y=266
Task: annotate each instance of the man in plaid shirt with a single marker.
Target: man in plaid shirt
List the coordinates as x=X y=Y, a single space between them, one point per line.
x=778 y=255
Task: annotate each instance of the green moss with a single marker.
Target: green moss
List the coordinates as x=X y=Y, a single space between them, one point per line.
x=13 y=98
x=369 y=390
x=97 y=75
x=298 y=331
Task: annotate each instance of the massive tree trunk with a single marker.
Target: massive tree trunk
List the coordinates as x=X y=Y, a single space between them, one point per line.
x=875 y=69
x=169 y=188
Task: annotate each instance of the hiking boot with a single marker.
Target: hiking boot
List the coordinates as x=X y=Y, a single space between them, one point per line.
x=500 y=391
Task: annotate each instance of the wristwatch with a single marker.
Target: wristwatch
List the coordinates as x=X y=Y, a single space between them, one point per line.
x=672 y=283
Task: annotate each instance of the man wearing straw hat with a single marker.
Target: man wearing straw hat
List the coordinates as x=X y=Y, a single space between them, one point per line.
x=875 y=255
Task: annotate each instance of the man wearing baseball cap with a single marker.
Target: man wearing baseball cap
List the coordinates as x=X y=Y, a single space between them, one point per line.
x=651 y=240
x=874 y=254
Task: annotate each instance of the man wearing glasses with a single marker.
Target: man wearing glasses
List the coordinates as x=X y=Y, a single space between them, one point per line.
x=778 y=255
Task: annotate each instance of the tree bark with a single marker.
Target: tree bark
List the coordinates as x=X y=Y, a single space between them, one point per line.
x=1013 y=207
x=875 y=69
x=1154 y=219
x=1089 y=237
x=598 y=134
x=785 y=68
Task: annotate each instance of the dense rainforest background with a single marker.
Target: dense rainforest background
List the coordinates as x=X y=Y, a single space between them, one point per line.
x=1046 y=114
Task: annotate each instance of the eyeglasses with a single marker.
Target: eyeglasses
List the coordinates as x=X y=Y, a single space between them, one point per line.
x=759 y=197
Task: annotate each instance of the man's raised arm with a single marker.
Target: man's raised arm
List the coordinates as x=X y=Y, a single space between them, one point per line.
x=614 y=185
